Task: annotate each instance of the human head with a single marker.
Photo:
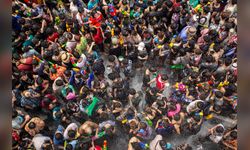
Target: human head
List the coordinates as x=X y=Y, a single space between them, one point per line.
x=72 y=133
x=219 y=129
x=32 y=125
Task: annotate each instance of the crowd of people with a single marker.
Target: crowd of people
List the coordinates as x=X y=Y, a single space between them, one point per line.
x=74 y=61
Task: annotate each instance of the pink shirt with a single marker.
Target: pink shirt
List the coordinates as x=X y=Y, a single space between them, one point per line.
x=172 y=113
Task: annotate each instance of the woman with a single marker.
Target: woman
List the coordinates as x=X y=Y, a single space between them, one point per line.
x=164 y=126
x=34 y=126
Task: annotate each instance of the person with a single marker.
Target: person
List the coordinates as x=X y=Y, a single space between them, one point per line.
x=19 y=119
x=34 y=126
x=78 y=66
x=230 y=139
x=41 y=142
x=216 y=133
x=70 y=132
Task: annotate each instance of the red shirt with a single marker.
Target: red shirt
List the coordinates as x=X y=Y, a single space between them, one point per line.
x=96 y=21
x=98 y=36
x=27 y=65
x=53 y=37
x=175 y=5
x=159 y=84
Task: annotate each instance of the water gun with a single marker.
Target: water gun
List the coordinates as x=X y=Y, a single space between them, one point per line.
x=210 y=116
x=57 y=20
x=144 y=145
x=178 y=66
x=204 y=84
x=124 y=121
x=180 y=86
x=37 y=59
x=121 y=41
x=149 y=122
x=198 y=8
x=199 y=114
x=223 y=84
x=112 y=32
x=105 y=145
x=89 y=109
x=160 y=46
x=90 y=79
x=67 y=27
x=72 y=61
x=100 y=134
x=125 y=13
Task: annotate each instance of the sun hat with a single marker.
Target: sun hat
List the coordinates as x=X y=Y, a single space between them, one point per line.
x=192 y=30
x=65 y=57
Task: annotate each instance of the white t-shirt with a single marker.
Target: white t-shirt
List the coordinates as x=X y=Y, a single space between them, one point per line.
x=216 y=137
x=192 y=106
x=38 y=141
x=83 y=62
x=55 y=87
x=71 y=126
x=154 y=144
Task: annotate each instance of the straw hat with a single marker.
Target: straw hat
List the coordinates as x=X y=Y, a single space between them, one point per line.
x=192 y=30
x=65 y=57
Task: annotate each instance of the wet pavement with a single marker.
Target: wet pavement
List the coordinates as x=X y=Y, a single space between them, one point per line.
x=121 y=139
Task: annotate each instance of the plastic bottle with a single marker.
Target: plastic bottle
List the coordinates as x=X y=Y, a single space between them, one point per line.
x=104 y=145
x=178 y=66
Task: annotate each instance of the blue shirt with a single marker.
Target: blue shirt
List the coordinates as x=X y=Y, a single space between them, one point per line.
x=60 y=129
x=92 y=4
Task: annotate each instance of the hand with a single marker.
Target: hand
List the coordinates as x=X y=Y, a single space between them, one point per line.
x=27 y=117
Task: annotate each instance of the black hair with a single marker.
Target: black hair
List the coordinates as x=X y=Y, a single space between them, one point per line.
x=69 y=147
x=200 y=105
x=58 y=136
x=132 y=91
x=47 y=146
x=76 y=54
x=111 y=58
x=35 y=41
x=16 y=56
x=53 y=70
x=136 y=146
x=207 y=38
x=197 y=118
x=234 y=2
x=72 y=133
x=228 y=61
x=14 y=113
x=67 y=73
x=206 y=9
x=49 y=31
x=34 y=62
x=46 y=100
x=233 y=134
x=218 y=94
x=188 y=147
x=219 y=129
x=162 y=143
x=164 y=77
x=58 y=114
x=177 y=117
x=154 y=90
x=39 y=81
x=93 y=30
x=152 y=69
x=217 y=108
x=32 y=125
x=168 y=3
